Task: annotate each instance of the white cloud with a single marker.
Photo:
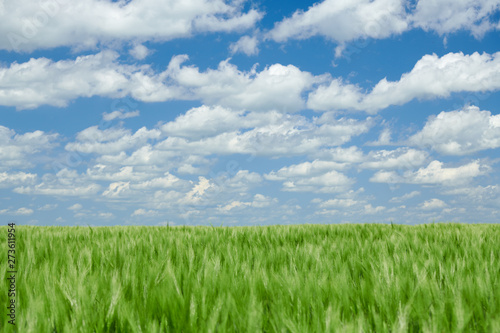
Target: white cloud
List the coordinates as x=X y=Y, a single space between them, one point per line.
x=326 y=182
x=305 y=169
x=117 y=189
x=405 y=196
x=259 y=201
x=384 y=138
x=460 y=132
x=434 y=173
x=112 y=173
x=240 y=182
x=106 y=215
x=344 y=203
x=232 y=205
x=337 y=95
x=111 y=140
x=139 y=52
x=205 y=121
x=42 y=81
x=196 y=194
x=64 y=183
x=20 y=211
x=145 y=213
x=23 y=211
x=347 y=20
x=286 y=135
x=17 y=150
x=75 y=207
x=257 y=91
x=48 y=207
x=431 y=77
x=118 y=114
x=340 y=154
x=34 y=25
x=432 y=204
x=401 y=158
x=166 y=181
x=448 y=16
x=369 y=209
x=247 y=45
x=344 y=20
x=16 y=178
x=143 y=156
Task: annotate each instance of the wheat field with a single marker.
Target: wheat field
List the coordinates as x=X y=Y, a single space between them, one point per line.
x=303 y=278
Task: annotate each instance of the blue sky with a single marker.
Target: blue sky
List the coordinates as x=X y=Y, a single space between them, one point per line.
x=249 y=113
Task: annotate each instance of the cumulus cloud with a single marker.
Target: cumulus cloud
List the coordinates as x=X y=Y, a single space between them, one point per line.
x=259 y=201
x=247 y=45
x=317 y=177
x=432 y=204
x=431 y=77
x=479 y=196
x=145 y=213
x=33 y=25
x=343 y=203
x=42 y=81
x=257 y=91
x=16 y=178
x=405 y=196
x=434 y=173
x=139 y=52
x=241 y=182
x=48 y=207
x=134 y=189
x=351 y=154
x=401 y=158
x=116 y=173
x=75 y=207
x=284 y=135
x=206 y=121
x=448 y=16
x=65 y=183
x=460 y=132
x=196 y=194
x=17 y=150
x=20 y=211
x=330 y=182
x=23 y=211
x=118 y=114
x=344 y=20
x=111 y=140
x=166 y=181
x=105 y=215
x=315 y=167
x=370 y=210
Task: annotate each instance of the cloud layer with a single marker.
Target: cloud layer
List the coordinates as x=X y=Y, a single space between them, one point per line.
x=42 y=81
x=32 y=24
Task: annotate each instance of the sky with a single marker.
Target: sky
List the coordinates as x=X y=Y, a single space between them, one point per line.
x=212 y=112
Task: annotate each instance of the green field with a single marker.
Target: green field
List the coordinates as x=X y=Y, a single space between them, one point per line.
x=306 y=278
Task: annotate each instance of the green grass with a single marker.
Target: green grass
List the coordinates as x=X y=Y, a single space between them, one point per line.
x=308 y=278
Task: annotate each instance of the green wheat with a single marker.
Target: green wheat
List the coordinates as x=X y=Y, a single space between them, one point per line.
x=307 y=278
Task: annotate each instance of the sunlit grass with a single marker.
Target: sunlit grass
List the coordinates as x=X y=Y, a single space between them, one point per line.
x=308 y=278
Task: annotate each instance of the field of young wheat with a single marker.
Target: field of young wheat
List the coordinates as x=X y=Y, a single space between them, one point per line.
x=306 y=278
